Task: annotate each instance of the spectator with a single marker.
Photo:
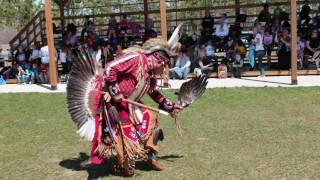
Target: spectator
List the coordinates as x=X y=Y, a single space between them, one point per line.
x=230 y=50
x=182 y=65
x=209 y=52
x=300 y=51
x=204 y=66
x=304 y=13
x=63 y=60
x=316 y=58
x=72 y=39
x=113 y=27
x=21 y=57
x=277 y=12
x=264 y=15
x=313 y=42
x=267 y=42
x=240 y=48
x=259 y=50
x=149 y=32
x=87 y=23
x=276 y=26
x=34 y=72
x=135 y=27
x=207 y=27
x=221 y=32
x=43 y=74
x=1 y=59
x=123 y=23
x=207 y=22
x=251 y=55
x=45 y=63
x=21 y=76
x=119 y=51
x=35 y=54
x=237 y=66
x=284 y=55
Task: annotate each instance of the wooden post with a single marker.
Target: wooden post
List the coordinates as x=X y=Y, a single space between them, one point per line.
x=237 y=5
x=163 y=19
x=145 y=10
x=163 y=24
x=49 y=30
x=294 y=79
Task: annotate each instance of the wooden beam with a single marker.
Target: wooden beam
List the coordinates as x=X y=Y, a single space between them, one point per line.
x=163 y=24
x=237 y=7
x=294 y=79
x=145 y=11
x=49 y=30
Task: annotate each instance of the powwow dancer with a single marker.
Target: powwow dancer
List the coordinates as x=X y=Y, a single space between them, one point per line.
x=105 y=104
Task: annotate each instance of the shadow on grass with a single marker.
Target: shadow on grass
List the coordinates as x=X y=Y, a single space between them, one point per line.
x=95 y=171
x=81 y=164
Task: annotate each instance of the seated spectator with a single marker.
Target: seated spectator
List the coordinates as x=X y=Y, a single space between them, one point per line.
x=258 y=25
x=230 y=50
x=204 y=66
x=1 y=59
x=34 y=74
x=21 y=76
x=276 y=26
x=182 y=66
x=300 y=51
x=237 y=66
x=268 y=44
x=264 y=15
x=221 y=32
x=113 y=27
x=240 y=48
x=210 y=53
x=284 y=55
x=123 y=23
x=313 y=43
x=149 y=32
x=21 y=57
x=207 y=25
x=119 y=51
x=106 y=53
x=43 y=74
x=316 y=58
x=304 y=14
x=276 y=12
x=86 y=24
x=63 y=60
x=72 y=38
x=259 y=50
x=135 y=27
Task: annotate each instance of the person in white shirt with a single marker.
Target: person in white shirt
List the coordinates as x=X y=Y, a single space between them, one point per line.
x=259 y=49
x=182 y=66
x=63 y=60
x=221 y=32
x=35 y=55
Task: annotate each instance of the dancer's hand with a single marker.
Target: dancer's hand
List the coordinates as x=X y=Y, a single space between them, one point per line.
x=118 y=98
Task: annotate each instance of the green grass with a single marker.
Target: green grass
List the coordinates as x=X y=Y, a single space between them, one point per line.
x=244 y=133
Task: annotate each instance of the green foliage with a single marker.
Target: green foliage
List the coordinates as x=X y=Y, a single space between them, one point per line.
x=17 y=13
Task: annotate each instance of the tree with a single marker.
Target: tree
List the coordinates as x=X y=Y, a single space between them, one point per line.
x=17 y=13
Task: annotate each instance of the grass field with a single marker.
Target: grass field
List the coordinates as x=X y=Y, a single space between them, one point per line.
x=244 y=133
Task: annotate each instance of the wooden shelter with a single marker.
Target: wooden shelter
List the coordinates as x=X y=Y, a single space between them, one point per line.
x=166 y=13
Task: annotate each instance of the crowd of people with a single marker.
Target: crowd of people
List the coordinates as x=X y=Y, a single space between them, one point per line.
x=270 y=33
x=269 y=36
